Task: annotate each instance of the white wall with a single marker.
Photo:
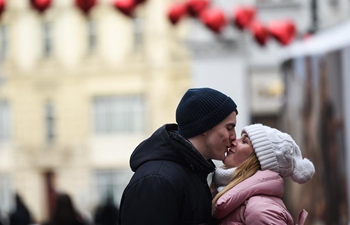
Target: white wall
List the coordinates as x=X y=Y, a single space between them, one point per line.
x=228 y=75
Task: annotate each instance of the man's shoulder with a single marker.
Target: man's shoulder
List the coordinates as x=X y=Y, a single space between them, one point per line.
x=163 y=169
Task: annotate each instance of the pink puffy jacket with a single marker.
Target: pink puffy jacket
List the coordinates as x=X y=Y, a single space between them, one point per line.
x=257 y=200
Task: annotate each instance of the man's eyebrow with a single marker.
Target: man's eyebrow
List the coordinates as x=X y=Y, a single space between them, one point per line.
x=231 y=124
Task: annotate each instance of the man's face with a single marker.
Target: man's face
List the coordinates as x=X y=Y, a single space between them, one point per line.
x=218 y=139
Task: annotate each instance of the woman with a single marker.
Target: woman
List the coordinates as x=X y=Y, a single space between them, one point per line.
x=65 y=213
x=250 y=184
x=21 y=214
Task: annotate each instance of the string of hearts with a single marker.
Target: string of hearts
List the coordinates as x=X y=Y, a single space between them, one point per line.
x=127 y=7
x=243 y=17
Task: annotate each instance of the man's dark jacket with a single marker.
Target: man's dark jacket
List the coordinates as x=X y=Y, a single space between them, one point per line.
x=170 y=182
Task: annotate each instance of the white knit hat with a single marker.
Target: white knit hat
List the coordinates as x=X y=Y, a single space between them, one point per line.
x=277 y=151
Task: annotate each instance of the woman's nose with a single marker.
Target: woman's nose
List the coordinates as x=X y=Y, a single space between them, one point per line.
x=234 y=143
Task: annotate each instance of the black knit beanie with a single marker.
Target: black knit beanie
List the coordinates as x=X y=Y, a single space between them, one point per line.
x=201 y=109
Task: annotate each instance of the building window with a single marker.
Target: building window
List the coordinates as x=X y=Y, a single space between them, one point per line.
x=138 y=33
x=50 y=122
x=6 y=194
x=48 y=38
x=5 y=121
x=110 y=183
x=3 y=42
x=118 y=114
x=92 y=34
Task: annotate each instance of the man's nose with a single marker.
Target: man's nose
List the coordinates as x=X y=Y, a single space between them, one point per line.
x=233 y=137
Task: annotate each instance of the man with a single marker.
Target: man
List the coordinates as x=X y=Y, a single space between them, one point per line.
x=171 y=167
x=107 y=213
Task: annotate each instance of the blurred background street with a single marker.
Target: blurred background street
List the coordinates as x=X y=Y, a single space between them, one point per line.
x=83 y=82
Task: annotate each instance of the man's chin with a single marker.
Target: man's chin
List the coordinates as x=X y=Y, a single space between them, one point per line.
x=222 y=158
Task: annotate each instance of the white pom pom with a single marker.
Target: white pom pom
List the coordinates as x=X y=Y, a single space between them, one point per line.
x=303 y=171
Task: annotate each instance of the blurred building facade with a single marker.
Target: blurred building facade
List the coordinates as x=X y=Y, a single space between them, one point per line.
x=264 y=69
x=78 y=93
x=315 y=109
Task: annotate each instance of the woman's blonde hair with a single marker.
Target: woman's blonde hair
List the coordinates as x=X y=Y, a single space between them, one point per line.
x=247 y=169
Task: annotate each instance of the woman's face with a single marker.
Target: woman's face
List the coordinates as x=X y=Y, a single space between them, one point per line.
x=240 y=150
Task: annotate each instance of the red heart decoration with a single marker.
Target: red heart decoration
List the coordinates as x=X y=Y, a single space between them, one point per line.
x=195 y=7
x=283 y=31
x=243 y=16
x=259 y=32
x=214 y=19
x=41 y=5
x=176 y=12
x=85 y=5
x=127 y=7
x=2 y=6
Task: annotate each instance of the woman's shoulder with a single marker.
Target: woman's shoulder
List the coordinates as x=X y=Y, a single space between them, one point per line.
x=267 y=210
x=265 y=175
x=262 y=182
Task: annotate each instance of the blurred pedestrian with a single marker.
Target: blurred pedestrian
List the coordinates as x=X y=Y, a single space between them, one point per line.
x=20 y=215
x=3 y=218
x=169 y=185
x=250 y=184
x=65 y=212
x=107 y=213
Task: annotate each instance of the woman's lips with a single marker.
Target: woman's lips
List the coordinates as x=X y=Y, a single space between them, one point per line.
x=230 y=150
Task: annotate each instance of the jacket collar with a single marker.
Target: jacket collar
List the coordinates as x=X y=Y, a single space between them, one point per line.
x=191 y=155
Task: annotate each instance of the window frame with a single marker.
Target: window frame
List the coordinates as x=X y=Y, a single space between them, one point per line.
x=118 y=114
